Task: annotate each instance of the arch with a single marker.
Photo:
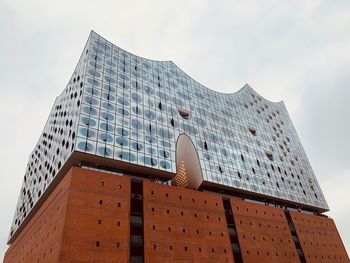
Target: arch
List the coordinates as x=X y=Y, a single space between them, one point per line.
x=188 y=168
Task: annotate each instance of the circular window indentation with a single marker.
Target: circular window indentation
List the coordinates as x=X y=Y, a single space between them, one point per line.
x=151 y=150
x=90 y=100
x=92 y=91
x=165 y=133
x=123 y=85
x=88 y=121
x=85 y=146
x=183 y=95
x=109 y=88
x=107 y=116
x=151 y=139
x=164 y=164
x=123 y=112
x=93 y=82
x=150 y=115
x=124 y=77
x=107 y=106
x=136 y=97
x=122 y=131
x=121 y=141
x=164 y=154
x=109 y=79
x=136 y=146
x=106 y=137
x=150 y=161
x=123 y=101
x=88 y=133
x=94 y=73
x=189 y=128
x=146 y=65
x=162 y=95
x=148 y=90
x=106 y=127
x=95 y=65
x=136 y=110
x=136 y=124
x=224 y=152
x=207 y=156
x=126 y=156
x=165 y=143
x=213 y=137
x=150 y=129
x=110 y=71
x=200 y=121
x=105 y=151
x=108 y=96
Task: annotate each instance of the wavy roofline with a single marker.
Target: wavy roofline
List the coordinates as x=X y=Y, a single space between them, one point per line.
x=245 y=86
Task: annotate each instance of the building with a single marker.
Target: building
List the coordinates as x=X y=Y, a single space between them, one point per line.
x=138 y=162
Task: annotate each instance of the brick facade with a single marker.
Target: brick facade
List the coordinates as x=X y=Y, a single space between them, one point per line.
x=87 y=218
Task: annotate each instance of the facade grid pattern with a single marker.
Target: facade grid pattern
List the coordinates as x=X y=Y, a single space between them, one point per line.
x=124 y=107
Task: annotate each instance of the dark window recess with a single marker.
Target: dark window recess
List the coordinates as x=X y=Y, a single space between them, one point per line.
x=172 y=122
x=252 y=131
x=232 y=231
x=206 y=146
x=184 y=113
x=269 y=155
x=242 y=157
x=295 y=238
x=136 y=223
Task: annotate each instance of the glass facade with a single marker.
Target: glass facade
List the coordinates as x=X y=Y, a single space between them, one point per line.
x=124 y=107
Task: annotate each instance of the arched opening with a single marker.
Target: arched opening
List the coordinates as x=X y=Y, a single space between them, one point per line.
x=188 y=169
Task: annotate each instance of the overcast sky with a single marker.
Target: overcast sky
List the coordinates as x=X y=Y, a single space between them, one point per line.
x=296 y=51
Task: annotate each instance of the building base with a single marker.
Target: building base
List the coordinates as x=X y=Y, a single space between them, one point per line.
x=95 y=216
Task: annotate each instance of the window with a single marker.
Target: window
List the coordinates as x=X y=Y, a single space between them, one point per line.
x=184 y=113
x=269 y=155
x=206 y=146
x=252 y=131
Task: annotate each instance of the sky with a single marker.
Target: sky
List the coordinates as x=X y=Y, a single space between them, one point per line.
x=295 y=51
